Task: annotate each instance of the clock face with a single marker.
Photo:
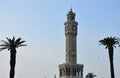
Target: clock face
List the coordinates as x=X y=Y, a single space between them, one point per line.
x=74 y=28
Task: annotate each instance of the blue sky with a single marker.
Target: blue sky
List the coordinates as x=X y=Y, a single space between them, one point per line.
x=41 y=24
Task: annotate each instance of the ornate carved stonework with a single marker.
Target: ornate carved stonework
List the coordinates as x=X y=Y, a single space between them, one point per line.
x=71 y=69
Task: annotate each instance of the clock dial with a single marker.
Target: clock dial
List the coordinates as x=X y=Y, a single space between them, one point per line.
x=74 y=28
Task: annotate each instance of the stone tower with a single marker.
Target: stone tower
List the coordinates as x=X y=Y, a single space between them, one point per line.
x=71 y=69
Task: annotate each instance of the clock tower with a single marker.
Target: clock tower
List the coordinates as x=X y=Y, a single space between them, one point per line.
x=71 y=69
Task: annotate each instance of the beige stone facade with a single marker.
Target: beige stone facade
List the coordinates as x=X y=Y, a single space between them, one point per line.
x=71 y=69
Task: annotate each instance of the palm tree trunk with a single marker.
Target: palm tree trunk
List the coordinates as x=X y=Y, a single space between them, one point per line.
x=12 y=63
x=111 y=61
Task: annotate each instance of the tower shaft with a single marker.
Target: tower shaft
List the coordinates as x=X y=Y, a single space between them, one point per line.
x=71 y=33
x=71 y=57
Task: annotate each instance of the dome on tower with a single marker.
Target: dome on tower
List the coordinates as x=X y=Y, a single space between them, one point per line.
x=71 y=15
x=71 y=11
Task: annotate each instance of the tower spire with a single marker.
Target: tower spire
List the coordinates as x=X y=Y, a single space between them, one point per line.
x=71 y=8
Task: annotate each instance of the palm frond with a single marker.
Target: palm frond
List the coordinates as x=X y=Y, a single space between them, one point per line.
x=5 y=42
x=21 y=45
x=9 y=40
x=109 y=41
x=3 y=45
x=20 y=42
x=106 y=47
x=12 y=43
x=91 y=75
x=2 y=48
x=13 y=39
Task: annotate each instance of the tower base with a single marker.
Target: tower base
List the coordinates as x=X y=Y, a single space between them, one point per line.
x=70 y=77
x=71 y=71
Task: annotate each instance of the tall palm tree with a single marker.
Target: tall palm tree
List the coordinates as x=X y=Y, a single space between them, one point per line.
x=110 y=43
x=90 y=75
x=11 y=45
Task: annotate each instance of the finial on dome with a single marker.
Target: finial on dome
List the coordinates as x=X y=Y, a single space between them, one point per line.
x=71 y=8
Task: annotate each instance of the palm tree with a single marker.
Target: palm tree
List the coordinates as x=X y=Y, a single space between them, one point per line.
x=90 y=75
x=110 y=43
x=11 y=45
